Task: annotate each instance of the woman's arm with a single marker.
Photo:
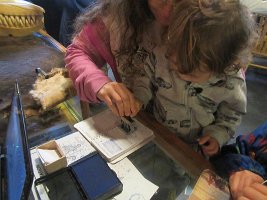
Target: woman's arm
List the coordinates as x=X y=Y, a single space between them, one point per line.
x=84 y=59
x=89 y=51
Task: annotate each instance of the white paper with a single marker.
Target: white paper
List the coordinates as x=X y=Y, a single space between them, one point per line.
x=48 y=156
x=75 y=147
x=104 y=133
x=135 y=186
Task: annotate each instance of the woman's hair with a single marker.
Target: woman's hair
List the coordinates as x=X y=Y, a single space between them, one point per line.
x=210 y=35
x=130 y=15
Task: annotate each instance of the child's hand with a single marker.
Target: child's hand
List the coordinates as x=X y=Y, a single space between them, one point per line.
x=209 y=145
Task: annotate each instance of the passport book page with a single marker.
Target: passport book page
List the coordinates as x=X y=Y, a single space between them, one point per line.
x=114 y=137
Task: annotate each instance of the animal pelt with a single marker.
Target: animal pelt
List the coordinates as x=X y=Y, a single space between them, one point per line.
x=55 y=89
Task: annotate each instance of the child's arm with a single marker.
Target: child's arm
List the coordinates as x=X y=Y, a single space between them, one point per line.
x=143 y=87
x=229 y=112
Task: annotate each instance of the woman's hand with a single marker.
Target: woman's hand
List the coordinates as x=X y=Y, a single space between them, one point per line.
x=240 y=180
x=256 y=191
x=119 y=99
x=209 y=145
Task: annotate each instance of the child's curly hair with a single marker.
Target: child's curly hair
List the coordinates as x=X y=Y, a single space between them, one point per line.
x=214 y=35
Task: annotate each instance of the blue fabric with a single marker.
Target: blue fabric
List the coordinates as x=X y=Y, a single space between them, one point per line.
x=248 y=153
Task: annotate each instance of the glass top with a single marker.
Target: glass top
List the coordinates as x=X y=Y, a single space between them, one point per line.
x=154 y=165
x=155 y=160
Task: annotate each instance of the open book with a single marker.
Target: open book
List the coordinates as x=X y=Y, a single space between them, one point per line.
x=114 y=137
x=210 y=186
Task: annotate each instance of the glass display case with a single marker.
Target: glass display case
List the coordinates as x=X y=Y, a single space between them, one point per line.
x=167 y=161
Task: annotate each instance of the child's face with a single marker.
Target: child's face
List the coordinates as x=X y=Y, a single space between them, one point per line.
x=161 y=10
x=197 y=76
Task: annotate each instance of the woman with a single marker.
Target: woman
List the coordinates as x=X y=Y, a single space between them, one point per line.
x=112 y=28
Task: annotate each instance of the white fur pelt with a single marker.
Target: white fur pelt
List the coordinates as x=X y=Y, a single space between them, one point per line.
x=54 y=90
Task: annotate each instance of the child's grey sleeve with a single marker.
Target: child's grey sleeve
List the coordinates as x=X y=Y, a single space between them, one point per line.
x=229 y=114
x=142 y=89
